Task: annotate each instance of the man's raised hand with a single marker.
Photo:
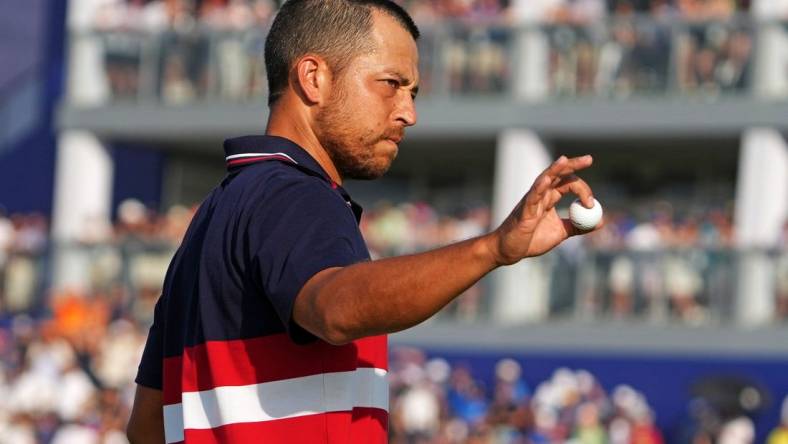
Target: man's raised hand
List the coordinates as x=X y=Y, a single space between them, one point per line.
x=534 y=227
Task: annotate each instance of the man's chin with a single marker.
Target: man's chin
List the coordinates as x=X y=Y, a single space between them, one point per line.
x=367 y=173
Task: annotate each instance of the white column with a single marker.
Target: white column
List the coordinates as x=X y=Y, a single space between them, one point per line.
x=521 y=290
x=83 y=196
x=771 y=57
x=531 y=72
x=86 y=79
x=762 y=188
x=761 y=209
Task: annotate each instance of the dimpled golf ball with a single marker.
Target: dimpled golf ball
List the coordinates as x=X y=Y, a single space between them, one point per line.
x=585 y=218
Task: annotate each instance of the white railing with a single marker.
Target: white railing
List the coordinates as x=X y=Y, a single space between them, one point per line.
x=619 y=58
x=692 y=286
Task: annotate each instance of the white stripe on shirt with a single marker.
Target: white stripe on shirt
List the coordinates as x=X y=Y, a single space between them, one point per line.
x=289 y=398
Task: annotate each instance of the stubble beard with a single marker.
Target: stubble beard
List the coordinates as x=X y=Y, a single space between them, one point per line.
x=352 y=150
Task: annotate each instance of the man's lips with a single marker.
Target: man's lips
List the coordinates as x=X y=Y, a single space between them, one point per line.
x=396 y=138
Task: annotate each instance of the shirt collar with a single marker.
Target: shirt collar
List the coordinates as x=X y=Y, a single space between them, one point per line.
x=247 y=150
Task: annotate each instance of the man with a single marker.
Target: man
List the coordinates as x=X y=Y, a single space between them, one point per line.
x=271 y=327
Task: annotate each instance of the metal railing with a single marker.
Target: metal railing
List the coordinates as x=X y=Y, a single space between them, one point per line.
x=690 y=286
x=619 y=58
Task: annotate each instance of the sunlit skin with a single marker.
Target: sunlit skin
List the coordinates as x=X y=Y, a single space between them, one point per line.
x=353 y=122
x=371 y=105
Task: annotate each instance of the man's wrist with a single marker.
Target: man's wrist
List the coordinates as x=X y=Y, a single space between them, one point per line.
x=488 y=250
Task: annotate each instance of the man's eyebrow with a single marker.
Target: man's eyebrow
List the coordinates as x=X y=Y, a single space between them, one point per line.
x=404 y=81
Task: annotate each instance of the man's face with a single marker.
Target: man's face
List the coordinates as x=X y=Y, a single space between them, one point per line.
x=371 y=103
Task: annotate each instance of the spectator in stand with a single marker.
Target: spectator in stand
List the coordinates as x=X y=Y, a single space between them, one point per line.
x=7 y=233
x=413 y=227
x=770 y=9
x=589 y=429
x=713 y=57
x=569 y=407
x=781 y=275
x=6 y=236
x=739 y=430
x=465 y=397
x=587 y=55
x=22 y=266
x=780 y=434
x=703 y=10
x=641 y=277
x=237 y=55
x=632 y=420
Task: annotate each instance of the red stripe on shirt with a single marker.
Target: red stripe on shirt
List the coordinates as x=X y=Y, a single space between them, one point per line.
x=363 y=425
x=172 y=370
x=269 y=358
x=245 y=160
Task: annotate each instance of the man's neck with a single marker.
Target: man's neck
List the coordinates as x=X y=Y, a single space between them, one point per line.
x=286 y=121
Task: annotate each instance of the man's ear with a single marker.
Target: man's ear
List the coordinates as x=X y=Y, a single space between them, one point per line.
x=311 y=78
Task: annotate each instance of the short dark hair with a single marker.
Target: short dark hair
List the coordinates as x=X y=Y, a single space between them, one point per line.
x=335 y=29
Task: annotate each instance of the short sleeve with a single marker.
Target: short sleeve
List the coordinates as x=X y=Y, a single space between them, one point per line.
x=150 y=371
x=302 y=228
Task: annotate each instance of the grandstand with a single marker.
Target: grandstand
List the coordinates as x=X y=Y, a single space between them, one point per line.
x=668 y=325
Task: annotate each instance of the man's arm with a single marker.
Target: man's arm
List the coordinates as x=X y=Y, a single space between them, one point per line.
x=146 y=424
x=342 y=304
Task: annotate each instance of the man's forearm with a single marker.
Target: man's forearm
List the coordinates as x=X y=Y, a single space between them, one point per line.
x=388 y=295
x=343 y=304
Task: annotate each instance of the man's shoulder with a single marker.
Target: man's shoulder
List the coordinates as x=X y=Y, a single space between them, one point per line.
x=275 y=187
x=277 y=173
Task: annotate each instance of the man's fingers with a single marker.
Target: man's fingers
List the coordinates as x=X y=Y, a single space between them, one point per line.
x=572 y=230
x=564 y=166
x=537 y=193
x=571 y=184
x=578 y=187
x=556 y=180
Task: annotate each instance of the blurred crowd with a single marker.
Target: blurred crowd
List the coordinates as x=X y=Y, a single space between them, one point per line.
x=434 y=402
x=187 y=64
x=67 y=357
x=65 y=377
x=686 y=46
x=412 y=227
x=667 y=264
x=23 y=239
x=659 y=225
x=181 y=15
x=659 y=263
x=213 y=49
x=157 y=15
x=135 y=252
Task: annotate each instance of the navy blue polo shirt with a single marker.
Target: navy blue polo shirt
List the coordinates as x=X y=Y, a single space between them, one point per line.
x=273 y=222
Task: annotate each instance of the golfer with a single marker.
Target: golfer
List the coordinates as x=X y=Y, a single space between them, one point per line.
x=273 y=319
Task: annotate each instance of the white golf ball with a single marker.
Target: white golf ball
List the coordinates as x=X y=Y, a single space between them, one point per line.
x=585 y=218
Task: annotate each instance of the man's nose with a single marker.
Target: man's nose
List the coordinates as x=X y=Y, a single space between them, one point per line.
x=406 y=112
